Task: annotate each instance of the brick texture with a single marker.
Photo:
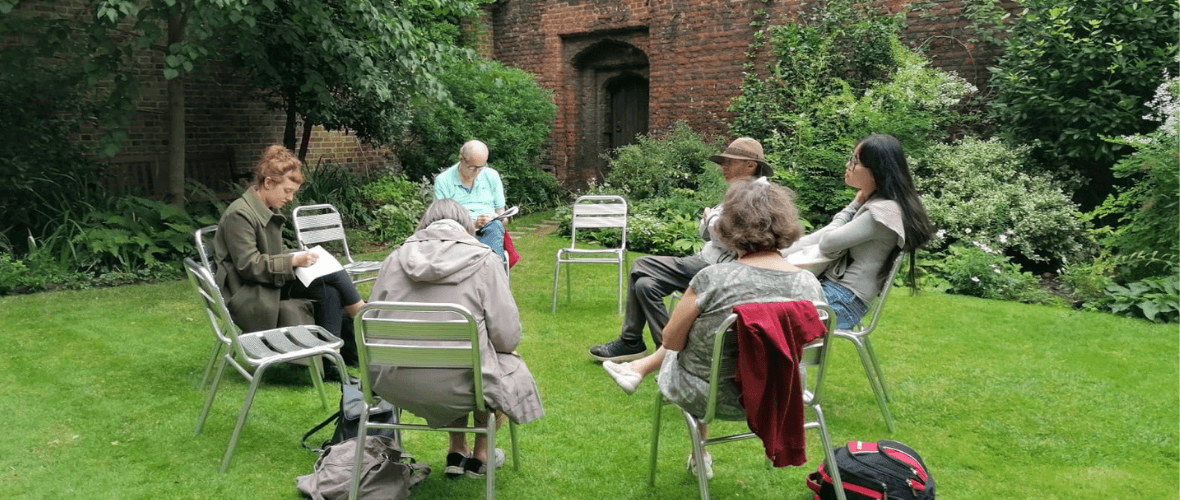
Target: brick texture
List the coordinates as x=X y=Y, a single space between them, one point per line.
x=227 y=124
x=694 y=50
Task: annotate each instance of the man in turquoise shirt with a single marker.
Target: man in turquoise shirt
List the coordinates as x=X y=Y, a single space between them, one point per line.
x=477 y=187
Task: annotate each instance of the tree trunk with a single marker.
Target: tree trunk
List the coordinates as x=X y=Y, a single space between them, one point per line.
x=306 y=140
x=174 y=177
x=289 y=128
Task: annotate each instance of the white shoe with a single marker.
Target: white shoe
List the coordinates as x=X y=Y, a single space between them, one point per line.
x=692 y=466
x=627 y=378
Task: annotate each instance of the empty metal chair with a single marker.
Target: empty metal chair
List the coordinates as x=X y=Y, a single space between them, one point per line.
x=722 y=371
x=421 y=335
x=859 y=336
x=594 y=212
x=258 y=350
x=315 y=224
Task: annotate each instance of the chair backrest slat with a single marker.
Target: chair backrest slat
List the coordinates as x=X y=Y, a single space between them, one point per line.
x=878 y=303
x=204 y=237
x=418 y=335
x=599 y=222
x=315 y=224
x=315 y=236
x=599 y=212
x=212 y=302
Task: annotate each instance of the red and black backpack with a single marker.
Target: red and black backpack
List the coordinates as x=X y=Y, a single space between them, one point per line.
x=876 y=471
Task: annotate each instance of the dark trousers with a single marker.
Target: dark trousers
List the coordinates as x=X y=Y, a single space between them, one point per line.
x=652 y=279
x=330 y=294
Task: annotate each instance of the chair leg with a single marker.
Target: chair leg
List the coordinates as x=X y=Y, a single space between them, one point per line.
x=569 y=294
x=315 y=365
x=829 y=452
x=877 y=366
x=871 y=373
x=217 y=373
x=245 y=412
x=491 y=462
x=515 y=445
x=655 y=439
x=619 y=292
x=362 y=430
x=556 y=280
x=217 y=345
x=698 y=452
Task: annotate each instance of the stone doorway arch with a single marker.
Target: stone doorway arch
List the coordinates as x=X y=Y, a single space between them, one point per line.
x=611 y=87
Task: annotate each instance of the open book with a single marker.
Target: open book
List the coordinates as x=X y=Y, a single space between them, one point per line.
x=325 y=264
x=507 y=213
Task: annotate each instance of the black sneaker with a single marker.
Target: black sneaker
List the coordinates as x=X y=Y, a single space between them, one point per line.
x=456 y=465
x=475 y=468
x=617 y=350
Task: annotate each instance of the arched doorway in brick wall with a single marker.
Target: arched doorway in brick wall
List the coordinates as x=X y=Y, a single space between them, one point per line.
x=611 y=94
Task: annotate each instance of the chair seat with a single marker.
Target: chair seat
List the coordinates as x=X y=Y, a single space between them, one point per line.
x=589 y=251
x=280 y=344
x=362 y=266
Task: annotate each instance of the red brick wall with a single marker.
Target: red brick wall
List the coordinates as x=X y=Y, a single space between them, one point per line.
x=224 y=120
x=695 y=50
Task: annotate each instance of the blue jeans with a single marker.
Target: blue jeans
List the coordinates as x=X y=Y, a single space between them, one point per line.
x=849 y=308
x=492 y=235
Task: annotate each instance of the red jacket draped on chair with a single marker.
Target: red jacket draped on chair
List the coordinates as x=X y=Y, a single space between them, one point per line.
x=770 y=340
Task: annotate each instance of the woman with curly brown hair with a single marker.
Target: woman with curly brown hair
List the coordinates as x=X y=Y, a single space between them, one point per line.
x=757 y=219
x=256 y=273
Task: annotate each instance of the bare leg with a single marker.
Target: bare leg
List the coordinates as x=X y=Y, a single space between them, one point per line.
x=629 y=375
x=481 y=440
x=650 y=363
x=459 y=439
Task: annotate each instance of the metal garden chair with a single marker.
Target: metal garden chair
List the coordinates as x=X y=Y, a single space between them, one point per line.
x=859 y=336
x=722 y=371
x=421 y=335
x=315 y=224
x=257 y=350
x=594 y=212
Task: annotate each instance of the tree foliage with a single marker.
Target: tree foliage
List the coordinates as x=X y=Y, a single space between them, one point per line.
x=1073 y=72
x=834 y=76
x=351 y=64
x=342 y=63
x=501 y=106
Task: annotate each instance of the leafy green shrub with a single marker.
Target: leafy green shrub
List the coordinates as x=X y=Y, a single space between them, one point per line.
x=979 y=190
x=341 y=186
x=980 y=271
x=398 y=205
x=660 y=226
x=1072 y=72
x=655 y=167
x=48 y=177
x=12 y=273
x=501 y=106
x=1156 y=299
x=134 y=232
x=833 y=79
x=1148 y=210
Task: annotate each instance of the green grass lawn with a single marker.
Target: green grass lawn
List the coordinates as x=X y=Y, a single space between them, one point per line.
x=1003 y=400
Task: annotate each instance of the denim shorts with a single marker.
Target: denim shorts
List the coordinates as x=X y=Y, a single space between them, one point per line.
x=849 y=308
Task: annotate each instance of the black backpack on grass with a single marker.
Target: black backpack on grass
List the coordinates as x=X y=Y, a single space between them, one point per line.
x=347 y=419
x=885 y=469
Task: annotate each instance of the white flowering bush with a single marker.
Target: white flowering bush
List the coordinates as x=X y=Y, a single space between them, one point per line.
x=977 y=190
x=976 y=269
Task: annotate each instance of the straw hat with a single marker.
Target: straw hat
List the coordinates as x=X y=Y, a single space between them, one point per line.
x=745 y=148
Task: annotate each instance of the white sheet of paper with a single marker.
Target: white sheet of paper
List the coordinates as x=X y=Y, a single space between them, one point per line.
x=325 y=264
